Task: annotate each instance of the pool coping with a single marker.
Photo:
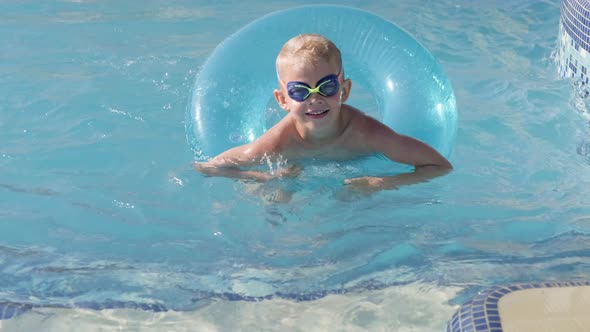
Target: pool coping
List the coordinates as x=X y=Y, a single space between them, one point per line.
x=481 y=313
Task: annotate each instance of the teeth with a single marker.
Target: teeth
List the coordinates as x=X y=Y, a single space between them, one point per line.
x=317 y=112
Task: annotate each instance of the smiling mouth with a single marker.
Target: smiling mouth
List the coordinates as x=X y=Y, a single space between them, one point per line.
x=317 y=114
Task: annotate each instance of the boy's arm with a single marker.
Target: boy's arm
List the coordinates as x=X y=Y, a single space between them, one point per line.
x=237 y=173
x=427 y=162
x=229 y=163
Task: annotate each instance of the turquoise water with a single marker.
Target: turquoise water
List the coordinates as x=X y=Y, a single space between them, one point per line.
x=99 y=207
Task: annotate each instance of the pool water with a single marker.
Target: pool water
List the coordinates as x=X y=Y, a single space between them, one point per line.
x=100 y=209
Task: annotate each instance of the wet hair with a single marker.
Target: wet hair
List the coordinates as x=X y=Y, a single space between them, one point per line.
x=308 y=49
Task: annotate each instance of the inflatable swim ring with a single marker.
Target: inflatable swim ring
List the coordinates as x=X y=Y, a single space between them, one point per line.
x=233 y=89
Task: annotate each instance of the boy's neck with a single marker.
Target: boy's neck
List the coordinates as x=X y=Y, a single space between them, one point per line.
x=324 y=136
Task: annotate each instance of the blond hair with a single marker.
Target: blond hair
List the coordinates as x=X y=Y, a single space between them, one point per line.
x=308 y=49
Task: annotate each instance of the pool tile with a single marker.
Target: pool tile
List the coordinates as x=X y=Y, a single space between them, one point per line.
x=539 y=307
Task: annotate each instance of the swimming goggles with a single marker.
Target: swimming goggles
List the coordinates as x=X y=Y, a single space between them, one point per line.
x=327 y=87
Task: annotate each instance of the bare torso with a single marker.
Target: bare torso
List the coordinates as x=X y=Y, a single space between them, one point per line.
x=355 y=136
x=348 y=143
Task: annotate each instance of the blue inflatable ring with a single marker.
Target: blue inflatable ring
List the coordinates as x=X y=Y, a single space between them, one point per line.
x=232 y=102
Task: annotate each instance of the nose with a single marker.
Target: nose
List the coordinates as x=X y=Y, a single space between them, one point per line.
x=315 y=98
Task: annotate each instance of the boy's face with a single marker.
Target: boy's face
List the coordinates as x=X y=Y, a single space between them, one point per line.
x=317 y=111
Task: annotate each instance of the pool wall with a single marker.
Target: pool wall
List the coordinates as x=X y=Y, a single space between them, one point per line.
x=573 y=59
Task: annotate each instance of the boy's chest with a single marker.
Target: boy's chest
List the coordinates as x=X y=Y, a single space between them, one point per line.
x=343 y=149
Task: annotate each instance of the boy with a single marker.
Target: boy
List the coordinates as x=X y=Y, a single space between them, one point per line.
x=312 y=89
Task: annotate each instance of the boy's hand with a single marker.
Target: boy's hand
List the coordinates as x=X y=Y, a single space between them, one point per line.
x=290 y=171
x=359 y=188
x=233 y=172
x=368 y=184
x=200 y=167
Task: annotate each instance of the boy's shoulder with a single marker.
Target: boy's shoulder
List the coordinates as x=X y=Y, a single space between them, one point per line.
x=366 y=130
x=360 y=121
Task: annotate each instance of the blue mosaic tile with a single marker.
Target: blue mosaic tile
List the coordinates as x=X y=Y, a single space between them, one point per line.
x=9 y=310
x=481 y=328
x=481 y=314
x=576 y=22
x=493 y=305
x=480 y=321
x=466 y=322
x=468 y=329
x=495 y=324
x=493 y=312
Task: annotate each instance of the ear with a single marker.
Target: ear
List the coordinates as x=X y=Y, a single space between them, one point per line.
x=345 y=90
x=280 y=97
